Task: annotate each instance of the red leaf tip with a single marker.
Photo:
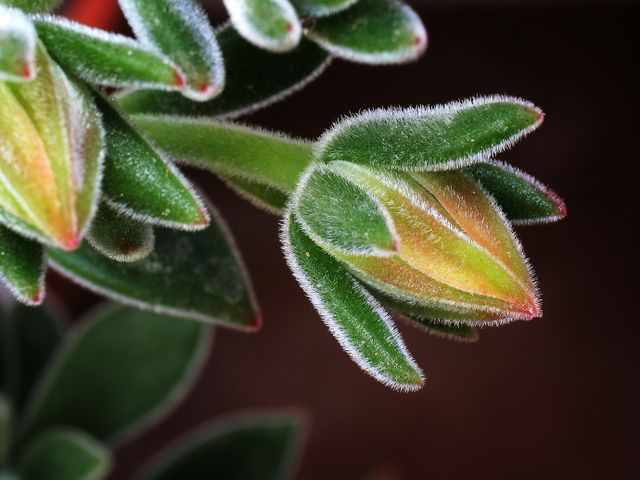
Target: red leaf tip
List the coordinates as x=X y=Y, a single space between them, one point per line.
x=71 y=243
x=254 y=323
x=179 y=79
x=38 y=297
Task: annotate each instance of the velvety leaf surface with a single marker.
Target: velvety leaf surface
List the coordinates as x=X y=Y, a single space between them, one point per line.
x=33 y=6
x=255 y=78
x=252 y=448
x=51 y=152
x=372 y=31
x=195 y=275
x=17 y=46
x=22 y=266
x=141 y=183
x=104 y=58
x=6 y=424
x=65 y=454
x=180 y=30
x=361 y=326
x=522 y=198
x=339 y=215
x=262 y=196
x=430 y=138
x=30 y=336
x=460 y=332
x=120 y=237
x=269 y=24
x=118 y=371
x=267 y=158
x=321 y=8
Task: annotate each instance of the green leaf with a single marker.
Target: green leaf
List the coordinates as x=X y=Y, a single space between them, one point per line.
x=181 y=31
x=255 y=78
x=192 y=275
x=269 y=24
x=6 y=428
x=268 y=158
x=252 y=448
x=522 y=198
x=118 y=371
x=104 y=58
x=141 y=183
x=17 y=46
x=460 y=332
x=321 y=8
x=361 y=326
x=65 y=454
x=33 y=6
x=260 y=195
x=430 y=138
x=30 y=336
x=120 y=237
x=339 y=215
x=372 y=31
x=22 y=267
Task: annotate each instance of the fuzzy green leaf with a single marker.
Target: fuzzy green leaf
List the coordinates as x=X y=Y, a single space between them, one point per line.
x=33 y=6
x=255 y=78
x=460 y=332
x=260 y=195
x=17 y=46
x=339 y=215
x=192 y=275
x=118 y=371
x=104 y=58
x=30 y=336
x=65 y=454
x=361 y=326
x=372 y=31
x=267 y=158
x=181 y=31
x=522 y=198
x=252 y=448
x=430 y=138
x=22 y=266
x=6 y=430
x=321 y=8
x=269 y=24
x=142 y=184
x=120 y=237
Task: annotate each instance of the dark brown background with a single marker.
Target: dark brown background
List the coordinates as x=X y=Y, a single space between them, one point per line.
x=553 y=398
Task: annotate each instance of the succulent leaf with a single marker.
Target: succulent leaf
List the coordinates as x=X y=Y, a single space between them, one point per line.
x=22 y=267
x=103 y=58
x=33 y=6
x=260 y=195
x=140 y=183
x=120 y=237
x=269 y=24
x=522 y=198
x=459 y=332
x=361 y=326
x=108 y=354
x=65 y=454
x=430 y=138
x=339 y=215
x=251 y=448
x=180 y=30
x=196 y=275
x=255 y=78
x=51 y=150
x=321 y=8
x=372 y=31
x=17 y=46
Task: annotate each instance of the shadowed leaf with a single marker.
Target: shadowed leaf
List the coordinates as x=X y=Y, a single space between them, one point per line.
x=459 y=332
x=34 y=6
x=22 y=266
x=6 y=427
x=262 y=196
x=17 y=46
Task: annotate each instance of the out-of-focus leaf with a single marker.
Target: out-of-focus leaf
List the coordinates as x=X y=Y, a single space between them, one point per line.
x=522 y=198
x=181 y=31
x=262 y=196
x=65 y=454
x=140 y=183
x=255 y=78
x=357 y=321
x=321 y=8
x=267 y=158
x=251 y=448
x=339 y=215
x=269 y=24
x=22 y=266
x=51 y=152
x=195 y=275
x=17 y=46
x=118 y=371
x=372 y=31
x=104 y=58
x=430 y=138
x=33 y=6
x=30 y=336
x=120 y=237
x=6 y=427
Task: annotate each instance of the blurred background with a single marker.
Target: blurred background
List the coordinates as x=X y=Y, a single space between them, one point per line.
x=556 y=397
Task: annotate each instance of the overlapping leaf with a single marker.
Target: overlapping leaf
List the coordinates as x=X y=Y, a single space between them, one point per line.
x=22 y=266
x=34 y=6
x=17 y=46
x=259 y=194
x=321 y=8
